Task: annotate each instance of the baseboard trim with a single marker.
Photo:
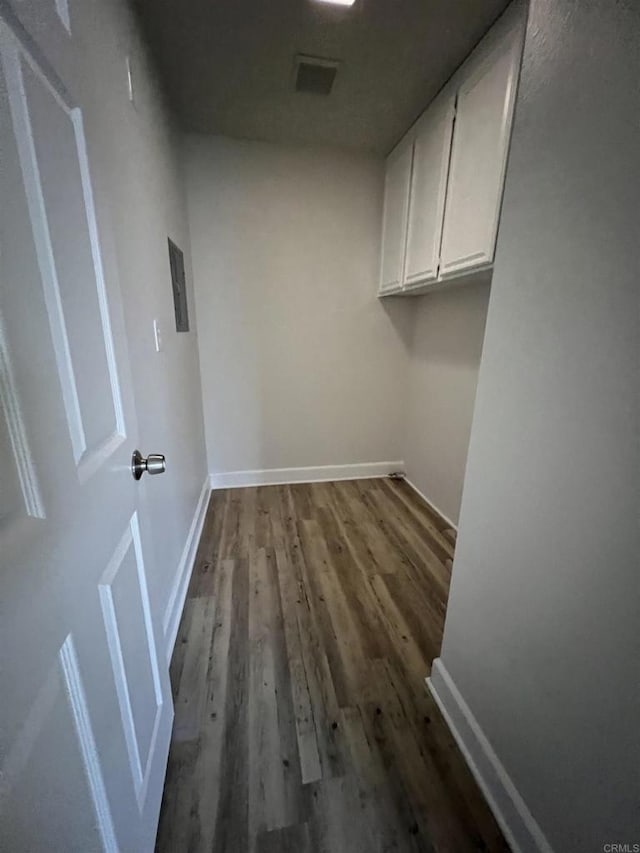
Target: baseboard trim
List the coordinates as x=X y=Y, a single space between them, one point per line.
x=514 y=818
x=173 y=611
x=431 y=504
x=319 y=474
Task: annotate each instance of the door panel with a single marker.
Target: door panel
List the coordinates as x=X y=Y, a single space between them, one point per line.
x=49 y=24
x=123 y=591
x=50 y=139
x=394 y=226
x=44 y=796
x=428 y=188
x=86 y=710
x=20 y=493
x=479 y=154
x=11 y=497
x=47 y=14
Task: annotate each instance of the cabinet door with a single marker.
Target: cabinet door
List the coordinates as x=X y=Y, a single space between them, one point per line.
x=394 y=225
x=431 y=151
x=479 y=153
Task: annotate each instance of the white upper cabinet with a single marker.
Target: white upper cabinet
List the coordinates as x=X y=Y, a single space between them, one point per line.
x=394 y=224
x=444 y=181
x=431 y=150
x=479 y=153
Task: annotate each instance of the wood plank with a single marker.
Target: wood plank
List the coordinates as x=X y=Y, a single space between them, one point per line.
x=227 y=724
x=424 y=554
x=450 y=534
x=176 y=827
x=302 y=719
x=368 y=542
x=422 y=513
x=289 y=839
x=347 y=632
x=190 y=700
x=422 y=620
x=353 y=582
x=180 y=648
x=206 y=559
x=266 y=782
x=192 y=788
x=295 y=796
x=340 y=817
x=232 y=537
x=416 y=516
x=308 y=754
x=322 y=691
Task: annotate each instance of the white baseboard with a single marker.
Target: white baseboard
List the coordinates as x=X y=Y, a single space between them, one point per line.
x=516 y=821
x=173 y=611
x=431 y=504
x=322 y=473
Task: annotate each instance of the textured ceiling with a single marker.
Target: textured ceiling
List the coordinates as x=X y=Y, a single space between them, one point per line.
x=228 y=64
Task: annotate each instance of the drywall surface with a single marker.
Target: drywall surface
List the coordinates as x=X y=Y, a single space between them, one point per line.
x=442 y=377
x=542 y=636
x=301 y=364
x=140 y=158
x=229 y=65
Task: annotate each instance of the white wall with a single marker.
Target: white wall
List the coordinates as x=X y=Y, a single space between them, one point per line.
x=140 y=157
x=301 y=364
x=542 y=635
x=445 y=351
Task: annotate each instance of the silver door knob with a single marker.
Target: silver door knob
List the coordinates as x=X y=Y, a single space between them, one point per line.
x=153 y=464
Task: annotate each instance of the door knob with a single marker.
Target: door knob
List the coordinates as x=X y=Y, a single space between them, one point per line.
x=153 y=464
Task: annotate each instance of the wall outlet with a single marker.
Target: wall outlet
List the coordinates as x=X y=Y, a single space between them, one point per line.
x=157 y=335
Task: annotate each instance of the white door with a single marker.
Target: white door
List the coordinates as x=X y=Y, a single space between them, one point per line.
x=85 y=704
x=394 y=224
x=481 y=137
x=431 y=151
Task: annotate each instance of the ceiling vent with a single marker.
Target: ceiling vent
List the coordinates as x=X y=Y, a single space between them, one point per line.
x=314 y=74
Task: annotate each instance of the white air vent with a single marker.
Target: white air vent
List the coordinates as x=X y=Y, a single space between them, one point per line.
x=314 y=74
